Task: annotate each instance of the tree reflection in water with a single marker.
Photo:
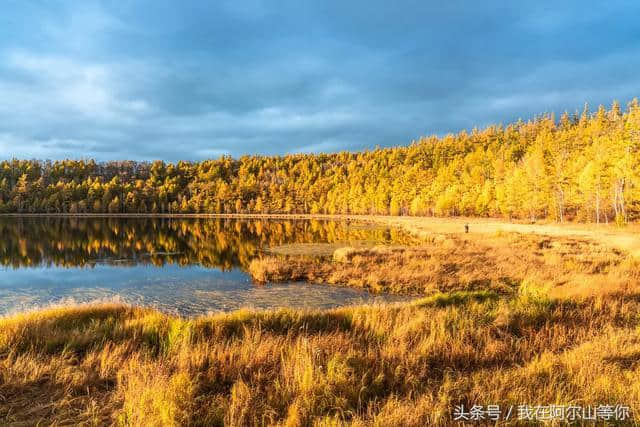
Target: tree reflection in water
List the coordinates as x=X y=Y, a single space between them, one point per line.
x=181 y=266
x=212 y=243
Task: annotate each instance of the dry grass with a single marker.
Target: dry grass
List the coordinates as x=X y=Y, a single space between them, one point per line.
x=500 y=262
x=370 y=365
x=317 y=249
x=506 y=319
x=625 y=239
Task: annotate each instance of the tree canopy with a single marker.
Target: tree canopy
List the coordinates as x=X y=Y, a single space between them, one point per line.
x=582 y=167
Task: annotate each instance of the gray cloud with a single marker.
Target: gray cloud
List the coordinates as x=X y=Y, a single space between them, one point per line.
x=148 y=80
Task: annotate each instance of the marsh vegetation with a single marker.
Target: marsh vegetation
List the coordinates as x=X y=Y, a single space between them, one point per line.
x=371 y=365
x=501 y=262
x=502 y=318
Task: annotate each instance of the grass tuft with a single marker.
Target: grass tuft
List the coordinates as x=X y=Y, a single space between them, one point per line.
x=406 y=364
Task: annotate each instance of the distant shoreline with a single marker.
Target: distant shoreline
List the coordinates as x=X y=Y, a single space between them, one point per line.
x=484 y=222
x=355 y=217
x=366 y=218
x=627 y=239
x=294 y=216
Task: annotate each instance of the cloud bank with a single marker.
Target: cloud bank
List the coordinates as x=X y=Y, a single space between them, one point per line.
x=161 y=80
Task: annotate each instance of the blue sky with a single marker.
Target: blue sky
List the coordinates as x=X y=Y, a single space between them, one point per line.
x=190 y=80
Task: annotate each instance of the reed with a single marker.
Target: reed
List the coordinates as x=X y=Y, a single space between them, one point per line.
x=370 y=365
x=500 y=262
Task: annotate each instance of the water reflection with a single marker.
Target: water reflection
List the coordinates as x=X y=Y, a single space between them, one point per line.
x=223 y=244
x=183 y=266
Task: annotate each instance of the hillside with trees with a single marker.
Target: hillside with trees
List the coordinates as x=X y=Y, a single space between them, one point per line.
x=581 y=167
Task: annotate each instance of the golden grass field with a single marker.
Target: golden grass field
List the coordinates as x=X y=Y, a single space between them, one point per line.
x=564 y=265
x=536 y=315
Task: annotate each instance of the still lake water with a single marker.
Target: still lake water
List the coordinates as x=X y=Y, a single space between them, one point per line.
x=181 y=266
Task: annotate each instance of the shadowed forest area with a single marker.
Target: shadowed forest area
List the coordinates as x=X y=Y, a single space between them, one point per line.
x=583 y=167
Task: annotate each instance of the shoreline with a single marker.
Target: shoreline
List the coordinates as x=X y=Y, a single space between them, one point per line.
x=355 y=217
x=625 y=238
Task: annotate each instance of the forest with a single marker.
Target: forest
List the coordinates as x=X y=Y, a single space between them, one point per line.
x=581 y=167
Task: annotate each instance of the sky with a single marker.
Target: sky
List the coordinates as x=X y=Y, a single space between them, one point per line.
x=147 y=80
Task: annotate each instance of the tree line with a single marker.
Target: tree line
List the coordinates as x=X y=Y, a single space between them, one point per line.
x=581 y=167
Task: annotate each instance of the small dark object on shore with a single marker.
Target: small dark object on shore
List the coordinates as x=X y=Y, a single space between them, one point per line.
x=466 y=228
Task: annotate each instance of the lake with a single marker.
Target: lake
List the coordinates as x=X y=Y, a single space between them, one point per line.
x=181 y=266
